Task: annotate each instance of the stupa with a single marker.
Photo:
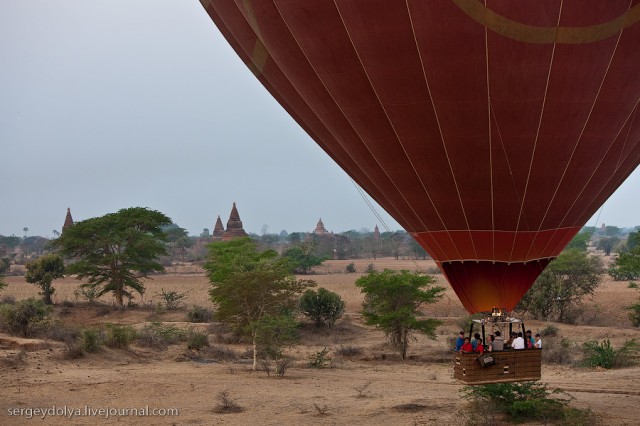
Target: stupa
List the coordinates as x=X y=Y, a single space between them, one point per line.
x=320 y=229
x=68 y=221
x=218 y=230
x=234 y=226
x=376 y=233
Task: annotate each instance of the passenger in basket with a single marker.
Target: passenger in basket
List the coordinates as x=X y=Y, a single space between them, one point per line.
x=509 y=343
x=459 y=341
x=529 y=340
x=492 y=339
x=466 y=347
x=518 y=342
x=479 y=346
x=498 y=343
x=474 y=341
x=538 y=344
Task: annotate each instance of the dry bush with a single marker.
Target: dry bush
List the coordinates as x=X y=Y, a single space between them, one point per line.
x=14 y=360
x=219 y=353
x=321 y=410
x=226 y=404
x=558 y=351
x=410 y=407
x=349 y=351
x=363 y=390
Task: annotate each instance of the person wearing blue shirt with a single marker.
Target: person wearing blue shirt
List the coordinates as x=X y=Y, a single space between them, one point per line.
x=459 y=341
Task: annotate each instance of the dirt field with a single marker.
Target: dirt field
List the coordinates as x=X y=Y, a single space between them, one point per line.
x=371 y=388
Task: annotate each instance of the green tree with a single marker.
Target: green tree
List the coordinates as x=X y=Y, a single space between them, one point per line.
x=248 y=285
x=392 y=302
x=274 y=333
x=115 y=251
x=43 y=271
x=324 y=307
x=580 y=241
x=302 y=258
x=562 y=285
x=607 y=244
x=633 y=240
x=612 y=231
x=626 y=266
x=4 y=266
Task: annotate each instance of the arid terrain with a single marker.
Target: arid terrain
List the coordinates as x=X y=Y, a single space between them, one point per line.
x=365 y=383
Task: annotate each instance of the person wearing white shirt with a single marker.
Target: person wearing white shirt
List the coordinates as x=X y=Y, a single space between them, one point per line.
x=518 y=342
x=538 y=344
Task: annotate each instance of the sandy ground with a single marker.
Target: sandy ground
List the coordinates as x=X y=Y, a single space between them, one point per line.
x=372 y=388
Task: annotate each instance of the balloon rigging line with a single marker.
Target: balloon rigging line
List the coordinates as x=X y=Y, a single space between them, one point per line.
x=391 y=125
x=575 y=147
x=493 y=218
x=386 y=227
x=594 y=197
x=535 y=143
x=337 y=105
x=437 y=117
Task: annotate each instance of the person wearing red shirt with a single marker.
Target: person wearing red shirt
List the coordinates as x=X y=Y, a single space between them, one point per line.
x=480 y=347
x=466 y=347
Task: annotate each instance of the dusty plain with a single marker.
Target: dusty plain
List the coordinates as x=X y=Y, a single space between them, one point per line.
x=373 y=387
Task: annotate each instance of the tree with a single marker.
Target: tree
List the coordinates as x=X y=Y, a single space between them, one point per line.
x=562 y=285
x=324 y=307
x=25 y=229
x=302 y=258
x=626 y=266
x=392 y=303
x=4 y=266
x=115 y=251
x=580 y=241
x=43 y=271
x=248 y=285
x=607 y=244
x=612 y=231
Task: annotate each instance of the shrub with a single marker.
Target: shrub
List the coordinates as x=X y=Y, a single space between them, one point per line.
x=226 y=404
x=25 y=317
x=526 y=401
x=62 y=333
x=200 y=314
x=196 y=340
x=87 y=294
x=371 y=267
x=632 y=284
x=322 y=306
x=351 y=268
x=172 y=299
x=606 y=356
x=319 y=359
x=549 y=331
x=158 y=335
x=634 y=315
x=92 y=340
x=348 y=351
x=8 y=299
x=558 y=352
x=120 y=336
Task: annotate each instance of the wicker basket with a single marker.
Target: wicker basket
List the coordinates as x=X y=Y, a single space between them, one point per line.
x=510 y=366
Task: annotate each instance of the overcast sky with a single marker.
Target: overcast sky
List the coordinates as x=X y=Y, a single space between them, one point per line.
x=121 y=103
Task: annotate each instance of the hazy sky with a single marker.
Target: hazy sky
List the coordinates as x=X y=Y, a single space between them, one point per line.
x=121 y=103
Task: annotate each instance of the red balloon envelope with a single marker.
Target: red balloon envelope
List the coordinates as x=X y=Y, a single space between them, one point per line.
x=491 y=132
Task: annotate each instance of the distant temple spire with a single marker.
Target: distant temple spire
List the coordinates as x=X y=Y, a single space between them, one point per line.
x=234 y=226
x=376 y=233
x=320 y=229
x=218 y=230
x=68 y=221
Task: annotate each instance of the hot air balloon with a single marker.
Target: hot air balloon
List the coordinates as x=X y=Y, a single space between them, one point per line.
x=491 y=131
